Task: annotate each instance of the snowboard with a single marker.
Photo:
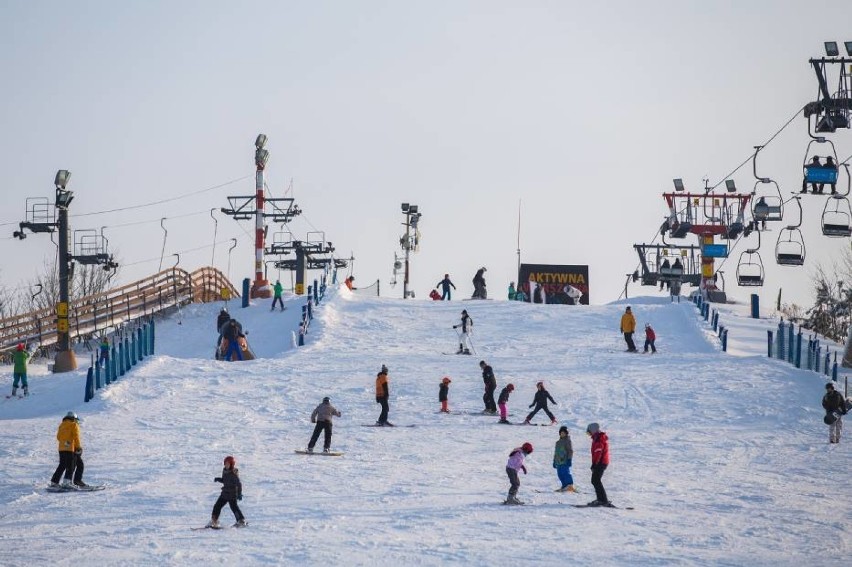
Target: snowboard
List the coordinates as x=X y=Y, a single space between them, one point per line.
x=454 y=353
x=90 y=488
x=612 y=506
x=507 y=503
x=320 y=453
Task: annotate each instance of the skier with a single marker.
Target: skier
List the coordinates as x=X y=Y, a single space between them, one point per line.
x=445 y=285
x=19 y=371
x=515 y=464
x=563 y=454
x=490 y=385
x=600 y=460
x=512 y=291
x=232 y=332
x=833 y=402
x=382 y=395
x=479 y=291
x=70 y=453
x=103 y=360
x=540 y=403
x=222 y=319
x=502 y=400
x=466 y=330
x=277 y=290
x=650 y=337
x=443 y=394
x=232 y=490
x=322 y=416
x=628 y=326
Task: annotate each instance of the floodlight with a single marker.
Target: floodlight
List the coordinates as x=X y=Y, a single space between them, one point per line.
x=678 y=184
x=260 y=142
x=848 y=46
x=64 y=198
x=412 y=209
x=730 y=186
x=405 y=207
x=261 y=156
x=62 y=177
x=831 y=49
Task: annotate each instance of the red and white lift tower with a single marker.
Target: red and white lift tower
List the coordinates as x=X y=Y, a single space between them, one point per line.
x=707 y=215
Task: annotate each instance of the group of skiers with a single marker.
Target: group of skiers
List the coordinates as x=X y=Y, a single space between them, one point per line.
x=628 y=327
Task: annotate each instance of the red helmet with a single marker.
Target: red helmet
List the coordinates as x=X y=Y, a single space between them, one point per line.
x=446 y=380
x=230 y=461
x=20 y=346
x=527 y=447
x=511 y=387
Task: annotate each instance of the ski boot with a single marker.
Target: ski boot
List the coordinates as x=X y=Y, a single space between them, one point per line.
x=14 y=392
x=81 y=484
x=309 y=450
x=326 y=450
x=26 y=390
x=241 y=523
x=594 y=504
x=466 y=351
x=553 y=421
x=213 y=523
x=513 y=500
x=504 y=421
x=527 y=422
x=461 y=349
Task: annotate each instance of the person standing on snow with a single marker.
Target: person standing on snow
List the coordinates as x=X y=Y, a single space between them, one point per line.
x=232 y=490
x=515 y=464
x=466 y=330
x=512 y=291
x=383 y=395
x=563 y=454
x=600 y=460
x=322 y=416
x=444 y=394
x=650 y=337
x=232 y=332
x=628 y=327
x=70 y=453
x=833 y=402
x=104 y=347
x=479 y=291
x=350 y=283
x=19 y=371
x=490 y=385
x=445 y=285
x=540 y=403
x=502 y=402
x=221 y=319
x=277 y=290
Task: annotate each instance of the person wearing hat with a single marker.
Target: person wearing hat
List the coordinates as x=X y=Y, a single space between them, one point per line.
x=277 y=290
x=650 y=337
x=600 y=460
x=563 y=454
x=512 y=291
x=19 y=372
x=490 y=385
x=628 y=327
x=383 y=395
x=833 y=403
x=466 y=326
x=445 y=285
x=515 y=464
x=444 y=394
x=322 y=417
x=70 y=453
x=540 y=403
x=479 y=291
x=503 y=402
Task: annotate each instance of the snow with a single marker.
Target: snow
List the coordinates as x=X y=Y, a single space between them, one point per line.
x=723 y=455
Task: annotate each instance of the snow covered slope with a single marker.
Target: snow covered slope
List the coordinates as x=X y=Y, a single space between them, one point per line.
x=724 y=457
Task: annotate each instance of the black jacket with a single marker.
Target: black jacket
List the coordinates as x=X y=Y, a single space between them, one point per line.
x=833 y=401
x=443 y=392
x=445 y=284
x=232 y=488
x=488 y=378
x=504 y=395
x=221 y=320
x=541 y=398
x=479 y=278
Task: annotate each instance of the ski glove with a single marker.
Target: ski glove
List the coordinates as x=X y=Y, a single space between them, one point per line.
x=217 y=479
x=523 y=468
x=455 y=326
x=79 y=451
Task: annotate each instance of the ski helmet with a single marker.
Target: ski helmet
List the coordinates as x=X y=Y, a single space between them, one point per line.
x=20 y=347
x=446 y=380
x=72 y=415
x=563 y=429
x=511 y=387
x=593 y=428
x=384 y=369
x=829 y=386
x=527 y=447
x=230 y=461
x=326 y=400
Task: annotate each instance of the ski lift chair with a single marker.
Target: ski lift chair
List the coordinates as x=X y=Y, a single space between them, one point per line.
x=837 y=217
x=750 y=269
x=790 y=247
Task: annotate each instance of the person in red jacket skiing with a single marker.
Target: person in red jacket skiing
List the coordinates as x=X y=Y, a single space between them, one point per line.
x=600 y=460
x=650 y=337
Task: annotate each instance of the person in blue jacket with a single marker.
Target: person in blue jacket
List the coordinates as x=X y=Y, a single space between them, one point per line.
x=445 y=285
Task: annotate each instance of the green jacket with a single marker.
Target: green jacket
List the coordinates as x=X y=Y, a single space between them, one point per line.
x=278 y=289
x=20 y=357
x=563 y=451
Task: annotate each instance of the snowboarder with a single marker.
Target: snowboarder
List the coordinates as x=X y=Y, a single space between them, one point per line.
x=322 y=416
x=222 y=319
x=350 y=283
x=479 y=291
x=628 y=326
x=443 y=394
x=277 y=290
x=70 y=453
x=600 y=460
x=540 y=403
x=466 y=326
x=103 y=360
x=19 y=371
x=232 y=490
x=515 y=464
x=650 y=337
x=503 y=400
x=445 y=285
x=833 y=403
x=563 y=454
x=383 y=395
x=512 y=291
x=490 y=385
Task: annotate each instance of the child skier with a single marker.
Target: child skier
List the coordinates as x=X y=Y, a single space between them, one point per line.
x=443 y=393
x=232 y=490
x=600 y=460
x=563 y=453
x=19 y=372
x=103 y=359
x=515 y=464
x=540 y=403
x=322 y=416
x=650 y=337
x=502 y=400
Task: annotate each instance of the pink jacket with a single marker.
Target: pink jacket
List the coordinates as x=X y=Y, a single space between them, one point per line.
x=516 y=460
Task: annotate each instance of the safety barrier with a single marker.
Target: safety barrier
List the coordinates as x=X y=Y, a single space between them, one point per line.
x=712 y=317
x=787 y=344
x=129 y=345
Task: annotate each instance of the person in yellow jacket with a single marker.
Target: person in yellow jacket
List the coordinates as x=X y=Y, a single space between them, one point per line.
x=628 y=327
x=382 y=396
x=70 y=452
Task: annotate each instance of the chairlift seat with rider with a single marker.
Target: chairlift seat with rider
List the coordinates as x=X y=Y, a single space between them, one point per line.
x=820 y=174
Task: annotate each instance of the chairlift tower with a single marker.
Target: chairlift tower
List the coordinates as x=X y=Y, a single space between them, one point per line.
x=410 y=241
x=706 y=215
x=241 y=209
x=305 y=252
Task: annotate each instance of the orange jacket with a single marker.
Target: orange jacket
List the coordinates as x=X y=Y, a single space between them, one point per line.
x=382 y=390
x=68 y=435
x=628 y=323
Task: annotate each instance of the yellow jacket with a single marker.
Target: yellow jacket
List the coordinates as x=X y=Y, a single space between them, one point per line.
x=382 y=390
x=628 y=323
x=68 y=435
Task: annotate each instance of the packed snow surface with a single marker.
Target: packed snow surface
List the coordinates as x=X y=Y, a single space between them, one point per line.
x=724 y=456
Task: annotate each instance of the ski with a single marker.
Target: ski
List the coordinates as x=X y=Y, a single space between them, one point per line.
x=319 y=453
x=386 y=425
x=535 y=424
x=208 y=528
x=518 y=503
x=610 y=506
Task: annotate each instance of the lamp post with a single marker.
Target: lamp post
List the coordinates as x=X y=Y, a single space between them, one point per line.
x=65 y=359
x=409 y=241
x=260 y=287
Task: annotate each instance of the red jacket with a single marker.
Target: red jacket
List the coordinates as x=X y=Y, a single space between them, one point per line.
x=600 y=449
x=650 y=334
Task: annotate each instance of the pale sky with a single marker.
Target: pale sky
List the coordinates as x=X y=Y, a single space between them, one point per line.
x=582 y=112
